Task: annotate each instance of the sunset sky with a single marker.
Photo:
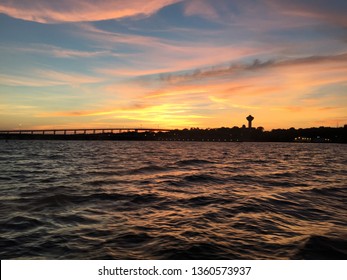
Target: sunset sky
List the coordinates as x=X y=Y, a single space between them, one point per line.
x=172 y=64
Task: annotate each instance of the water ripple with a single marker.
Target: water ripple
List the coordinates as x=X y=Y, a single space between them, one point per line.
x=171 y=200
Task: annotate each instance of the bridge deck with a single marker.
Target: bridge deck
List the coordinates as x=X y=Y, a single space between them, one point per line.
x=82 y=130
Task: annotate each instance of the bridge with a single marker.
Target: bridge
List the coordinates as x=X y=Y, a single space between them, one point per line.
x=71 y=131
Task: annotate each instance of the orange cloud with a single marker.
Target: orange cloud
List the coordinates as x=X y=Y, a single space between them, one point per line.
x=275 y=90
x=177 y=92
x=164 y=115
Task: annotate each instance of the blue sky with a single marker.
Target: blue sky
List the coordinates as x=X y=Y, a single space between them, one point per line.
x=172 y=64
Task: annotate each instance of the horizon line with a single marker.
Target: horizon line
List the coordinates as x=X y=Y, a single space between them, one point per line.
x=154 y=129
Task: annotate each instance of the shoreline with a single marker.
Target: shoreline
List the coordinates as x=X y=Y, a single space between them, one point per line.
x=223 y=134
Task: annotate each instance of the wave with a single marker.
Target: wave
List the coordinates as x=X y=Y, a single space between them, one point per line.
x=202 y=178
x=5 y=178
x=105 y=182
x=328 y=191
x=199 y=201
x=21 y=223
x=197 y=251
x=318 y=247
x=135 y=239
x=190 y=162
x=146 y=169
x=73 y=219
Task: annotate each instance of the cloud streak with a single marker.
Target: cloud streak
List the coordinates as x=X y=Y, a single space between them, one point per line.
x=256 y=65
x=44 y=78
x=58 y=52
x=332 y=11
x=79 y=10
x=171 y=55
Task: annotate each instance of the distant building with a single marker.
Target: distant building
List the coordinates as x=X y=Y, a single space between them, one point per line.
x=250 y=119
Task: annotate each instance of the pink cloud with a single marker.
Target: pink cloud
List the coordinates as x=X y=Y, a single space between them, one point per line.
x=263 y=16
x=79 y=10
x=152 y=55
x=332 y=11
x=201 y=8
x=46 y=77
x=55 y=51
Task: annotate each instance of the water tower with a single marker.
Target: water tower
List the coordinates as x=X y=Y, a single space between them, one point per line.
x=250 y=119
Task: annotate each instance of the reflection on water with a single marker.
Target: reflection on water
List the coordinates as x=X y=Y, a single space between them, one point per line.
x=172 y=200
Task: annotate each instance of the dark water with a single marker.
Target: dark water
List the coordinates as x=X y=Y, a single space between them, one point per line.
x=172 y=200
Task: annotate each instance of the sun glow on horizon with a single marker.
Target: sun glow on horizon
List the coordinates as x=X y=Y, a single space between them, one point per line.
x=173 y=64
